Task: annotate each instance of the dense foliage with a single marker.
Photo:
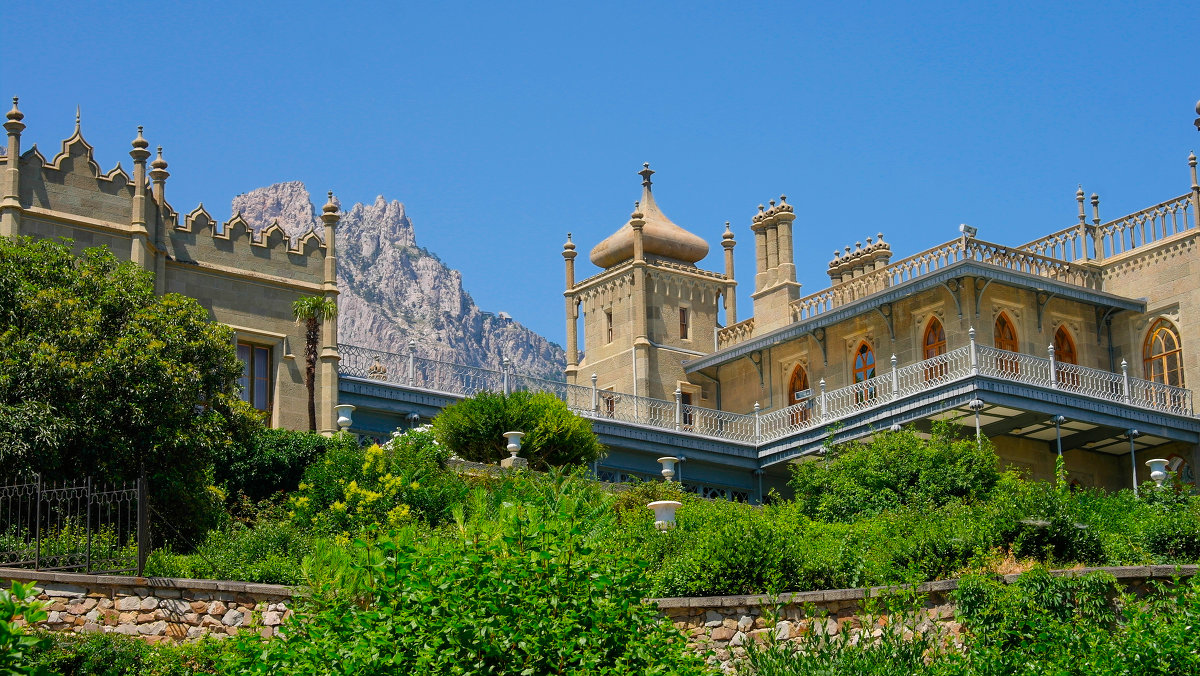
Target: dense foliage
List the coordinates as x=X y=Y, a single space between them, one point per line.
x=17 y=647
x=100 y=377
x=892 y=471
x=271 y=460
x=352 y=489
x=116 y=655
x=554 y=436
x=1081 y=626
x=523 y=591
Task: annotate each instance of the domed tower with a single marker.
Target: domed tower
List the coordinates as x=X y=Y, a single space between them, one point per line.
x=649 y=309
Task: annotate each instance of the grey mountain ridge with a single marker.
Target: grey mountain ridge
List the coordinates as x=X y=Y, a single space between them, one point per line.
x=393 y=290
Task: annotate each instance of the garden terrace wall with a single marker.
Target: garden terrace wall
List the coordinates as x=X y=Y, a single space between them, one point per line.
x=157 y=609
x=723 y=624
x=160 y=609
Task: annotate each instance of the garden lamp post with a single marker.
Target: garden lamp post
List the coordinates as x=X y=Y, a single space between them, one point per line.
x=1133 y=434
x=1058 y=421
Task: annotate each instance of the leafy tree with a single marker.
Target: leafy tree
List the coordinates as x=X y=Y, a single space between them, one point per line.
x=474 y=429
x=312 y=310
x=100 y=377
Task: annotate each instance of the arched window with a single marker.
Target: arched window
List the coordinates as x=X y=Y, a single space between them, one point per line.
x=864 y=363
x=1064 y=347
x=933 y=345
x=1162 y=355
x=1064 y=353
x=1005 y=335
x=935 y=339
x=864 y=369
x=799 y=393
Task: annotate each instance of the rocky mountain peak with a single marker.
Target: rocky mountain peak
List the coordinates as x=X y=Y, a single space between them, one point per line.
x=289 y=202
x=394 y=291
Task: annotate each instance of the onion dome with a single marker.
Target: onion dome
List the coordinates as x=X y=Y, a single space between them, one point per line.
x=660 y=237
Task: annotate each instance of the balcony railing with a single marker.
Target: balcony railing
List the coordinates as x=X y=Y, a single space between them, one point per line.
x=1055 y=256
x=823 y=408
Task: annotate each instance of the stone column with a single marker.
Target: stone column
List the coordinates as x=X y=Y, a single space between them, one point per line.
x=572 y=311
x=10 y=206
x=139 y=251
x=731 y=286
x=157 y=234
x=328 y=381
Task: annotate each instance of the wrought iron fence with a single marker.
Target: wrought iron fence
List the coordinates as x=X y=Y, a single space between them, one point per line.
x=76 y=526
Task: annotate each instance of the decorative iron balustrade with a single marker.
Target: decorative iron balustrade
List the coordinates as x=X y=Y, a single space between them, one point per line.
x=74 y=526
x=821 y=408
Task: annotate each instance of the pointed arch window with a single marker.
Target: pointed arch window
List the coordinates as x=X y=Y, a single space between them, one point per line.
x=800 y=392
x=864 y=369
x=864 y=363
x=1162 y=355
x=1004 y=337
x=1064 y=353
x=933 y=345
x=1005 y=334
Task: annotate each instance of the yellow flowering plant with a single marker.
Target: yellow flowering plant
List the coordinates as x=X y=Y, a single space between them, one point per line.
x=378 y=487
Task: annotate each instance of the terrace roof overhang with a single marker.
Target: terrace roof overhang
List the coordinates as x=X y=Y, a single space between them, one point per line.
x=1105 y=303
x=1008 y=408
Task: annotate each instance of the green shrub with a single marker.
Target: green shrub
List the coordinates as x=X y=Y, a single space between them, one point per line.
x=17 y=649
x=272 y=460
x=474 y=429
x=271 y=552
x=892 y=470
x=116 y=655
x=523 y=593
x=353 y=489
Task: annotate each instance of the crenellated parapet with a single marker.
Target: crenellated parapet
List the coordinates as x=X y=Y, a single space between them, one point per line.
x=246 y=275
x=69 y=195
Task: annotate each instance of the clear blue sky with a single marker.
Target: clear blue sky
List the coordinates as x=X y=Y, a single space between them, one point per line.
x=502 y=126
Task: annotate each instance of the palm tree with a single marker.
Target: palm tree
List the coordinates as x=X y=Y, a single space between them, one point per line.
x=312 y=310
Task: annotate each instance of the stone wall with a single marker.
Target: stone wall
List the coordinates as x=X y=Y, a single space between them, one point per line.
x=724 y=624
x=160 y=609
x=157 y=609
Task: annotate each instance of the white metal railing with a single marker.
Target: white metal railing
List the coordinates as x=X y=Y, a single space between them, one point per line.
x=821 y=408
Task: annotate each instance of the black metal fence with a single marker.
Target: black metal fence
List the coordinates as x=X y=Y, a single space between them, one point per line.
x=74 y=526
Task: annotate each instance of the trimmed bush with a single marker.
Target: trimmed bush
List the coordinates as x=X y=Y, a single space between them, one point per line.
x=554 y=436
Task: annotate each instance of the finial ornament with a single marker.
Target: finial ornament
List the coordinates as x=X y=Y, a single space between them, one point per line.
x=15 y=115
x=646 y=173
x=76 y=117
x=569 y=246
x=728 y=233
x=330 y=207
x=159 y=162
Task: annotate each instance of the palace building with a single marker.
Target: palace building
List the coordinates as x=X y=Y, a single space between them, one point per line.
x=1076 y=342
x=247 y=279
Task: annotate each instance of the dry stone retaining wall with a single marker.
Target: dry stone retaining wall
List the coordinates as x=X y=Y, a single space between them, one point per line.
x=160 y=609
x=722 y=625
x=157 y=609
